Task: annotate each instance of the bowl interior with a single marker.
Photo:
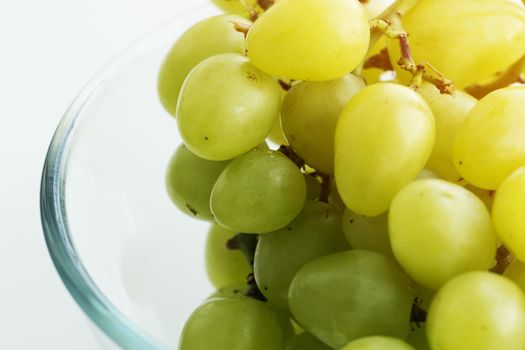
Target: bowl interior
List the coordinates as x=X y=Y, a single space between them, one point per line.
x=130 y=258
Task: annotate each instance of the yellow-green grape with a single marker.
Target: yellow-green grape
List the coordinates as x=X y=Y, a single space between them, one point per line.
x=383 y=139
x=375 y=7
x=486 y=196
x=449 y=112
x=507 y=213
x=484 y=37
x=233 y=324
x=224 y=266
x=238 y=7
x=417 y=337
x=516 y=272
x=345 y=296
x=227 y=107
x=314 y=233
x=367 y=233
x=378 y=343
x=190 y=180
x=309 y=116
x=212 y=36
x=490 y=144
x=310 y=39
x=306 y=341
x=439 y=230
x=258 y=192
x=477 y=311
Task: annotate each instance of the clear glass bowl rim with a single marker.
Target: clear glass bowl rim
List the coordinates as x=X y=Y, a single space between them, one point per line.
x=54 y=216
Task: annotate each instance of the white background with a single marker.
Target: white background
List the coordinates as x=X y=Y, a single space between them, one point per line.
x=48 y=51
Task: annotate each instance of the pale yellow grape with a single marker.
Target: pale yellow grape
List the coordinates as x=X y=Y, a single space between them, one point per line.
x=439 y=230
x=477 y=311
x=309 y=116
x=375 y=7
x=474 y=40
x=224 y=266
x=227 y=107
x=383 y=139
x=378 y=343
x=310 y=39
x=449 y=112
x=207 y=38
x=490 y=143
x=508 y=213
x=516 y=272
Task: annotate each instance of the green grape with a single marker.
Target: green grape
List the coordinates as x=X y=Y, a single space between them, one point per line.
x=417 y=337
x=233 y=324
x=309 y=115
x=313 y=187
x=212 y=36
x=439 y=230
x=383 y=139
x=490 y=144
x=378 y=343
x=227 y=107
x=475 y=40
x=477 y=311
x=369 y=233
x=230 y=291
x=315 y=232
x=190 y=180
x=224 y=266
x=507 y=213
x=258 y=192
x=317 y=40
x=345 y=296
x=516 y=272
x=305 y=341
x=449 y=112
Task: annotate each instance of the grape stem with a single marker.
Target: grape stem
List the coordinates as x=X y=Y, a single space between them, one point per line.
x=393 y=29
x=247 y=243
x=512 y=75
x=325 y=187
x=294 y=157
x=380 y=60
x=418 y=315
x=241 y=28
x=503 y=260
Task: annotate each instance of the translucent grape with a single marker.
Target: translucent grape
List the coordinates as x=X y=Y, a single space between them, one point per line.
x=345 y=296
x=306 y=341
x=317 y=40
x=378 y=343
x=507 y=213
x=258 y=192
x=227 y=107
x=232 y=324
x=212 y=36
x=309 y=116
x=224 y=266
x=369 y=233
x=383 y=139
x=516 y=272
x=190 y=180
x=489 y=144
x=439 y=230
x=449 y=112
x=315 y=232
x=474 y=40
x=477 y=311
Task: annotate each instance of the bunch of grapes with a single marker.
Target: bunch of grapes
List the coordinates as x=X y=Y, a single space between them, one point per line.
x=362 y=165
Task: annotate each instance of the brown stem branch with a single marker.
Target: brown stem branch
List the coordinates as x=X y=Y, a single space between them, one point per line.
x=380 y=60
x=512 y=75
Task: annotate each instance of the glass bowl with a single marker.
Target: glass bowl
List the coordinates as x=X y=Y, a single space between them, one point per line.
x=130 y=259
